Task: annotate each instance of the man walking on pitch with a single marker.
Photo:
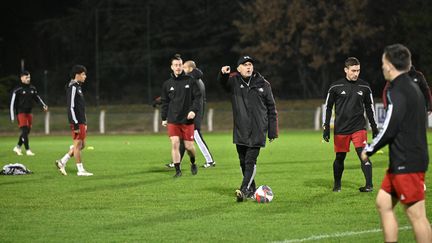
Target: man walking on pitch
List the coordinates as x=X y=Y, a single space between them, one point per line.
x=351 y=96
x=77 y=121
x=405 y=132
x=255 y=116
x=21 y=105
x=191 y=70
x=180 y=103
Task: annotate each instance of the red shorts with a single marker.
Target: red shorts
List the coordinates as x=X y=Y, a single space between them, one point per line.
x=342 y=142
x=25 y=119
x=407 y=188
x=184 y=131
x=81 y=135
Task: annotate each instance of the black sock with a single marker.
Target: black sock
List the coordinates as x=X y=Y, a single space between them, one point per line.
x=192 y=160
x=338 y=168
x=366 y=167
x=24 y=137
x=177 y=166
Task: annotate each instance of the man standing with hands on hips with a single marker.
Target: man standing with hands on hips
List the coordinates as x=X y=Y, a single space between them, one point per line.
x=405 y=132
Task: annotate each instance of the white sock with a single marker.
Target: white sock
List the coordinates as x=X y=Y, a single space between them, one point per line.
x=65 y=159
x=80 y=167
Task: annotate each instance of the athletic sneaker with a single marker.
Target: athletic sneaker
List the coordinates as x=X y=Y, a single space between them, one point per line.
x=366 y=189
x=336 y=189
x=178 y=174
x=61 y=167
x=240 y=196
x=30 y=153
x=210 y=164
x=17 y=150
x=194 y=169
x=84 y=173
x=170 y=165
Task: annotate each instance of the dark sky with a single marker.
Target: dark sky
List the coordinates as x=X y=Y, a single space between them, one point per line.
x=16 y=24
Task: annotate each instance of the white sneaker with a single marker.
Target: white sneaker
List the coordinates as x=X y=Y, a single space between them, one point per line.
x=17 y=150
x=211 y=164
x=30 y=153
x=84 y=173
x=61 y=167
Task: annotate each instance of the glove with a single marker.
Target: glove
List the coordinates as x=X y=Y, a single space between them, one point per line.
x=326 y=133
x=375 y=132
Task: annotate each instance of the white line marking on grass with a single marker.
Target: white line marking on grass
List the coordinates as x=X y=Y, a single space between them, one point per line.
x=338 y=235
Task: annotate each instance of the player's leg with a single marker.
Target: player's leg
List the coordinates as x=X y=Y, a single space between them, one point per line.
x=175 y=154
x=188 y=138
x=182 y=149
x=190 y=148
x=79 y=144
x=250 y=170
x=27 y=139
x=341 y=147
x=359 y=140
x=385 y=204
x=338 y=168
x=199 y=139
x=416 y=213
x=366 y=167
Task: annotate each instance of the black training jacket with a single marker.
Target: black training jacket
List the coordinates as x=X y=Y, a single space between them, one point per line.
x=351 y=99
x=254 y=109
x=23 y=98
x=198 y=75
x=180 y=95
x=75 y=104
x=404 y=128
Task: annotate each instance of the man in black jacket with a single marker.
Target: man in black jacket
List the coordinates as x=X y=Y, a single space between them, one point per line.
x=180 y=103
x=351 y=96
x=191 y=69
x=405 y=132
x=22 y=100
x=255 y=115
x=77 y=120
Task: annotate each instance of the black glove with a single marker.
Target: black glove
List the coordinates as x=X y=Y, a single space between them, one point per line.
x=326 y=133
x=375 y=132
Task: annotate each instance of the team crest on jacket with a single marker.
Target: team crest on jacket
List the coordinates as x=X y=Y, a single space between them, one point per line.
x=241 y=86
x=187 y=86
x=360 y=92
x=261 y=90
x=23 y=92
x=343 y=92
x=172 y=88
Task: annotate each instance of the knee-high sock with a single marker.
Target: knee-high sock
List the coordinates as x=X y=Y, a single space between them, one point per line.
x=366 y=167
x=338 y=167
x=23 y=138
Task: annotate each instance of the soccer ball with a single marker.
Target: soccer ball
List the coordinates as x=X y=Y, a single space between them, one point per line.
x=263 y=194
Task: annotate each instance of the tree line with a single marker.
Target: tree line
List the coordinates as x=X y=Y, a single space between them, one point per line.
x=300 y=46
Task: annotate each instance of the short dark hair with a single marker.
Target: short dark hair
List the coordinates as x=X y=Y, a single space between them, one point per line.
x=175 y=57
x=351 y=61
x=24 y=73
x=399 y=56
x=77 y=69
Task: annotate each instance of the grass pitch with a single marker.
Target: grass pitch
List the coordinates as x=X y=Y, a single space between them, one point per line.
x=133 y=198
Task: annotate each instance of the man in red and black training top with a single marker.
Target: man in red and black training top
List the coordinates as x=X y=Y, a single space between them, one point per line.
x=180 y=103
x=420 y=80
x=21 y=104
x=404 y=132
x=77 y=120
x=351 y=96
